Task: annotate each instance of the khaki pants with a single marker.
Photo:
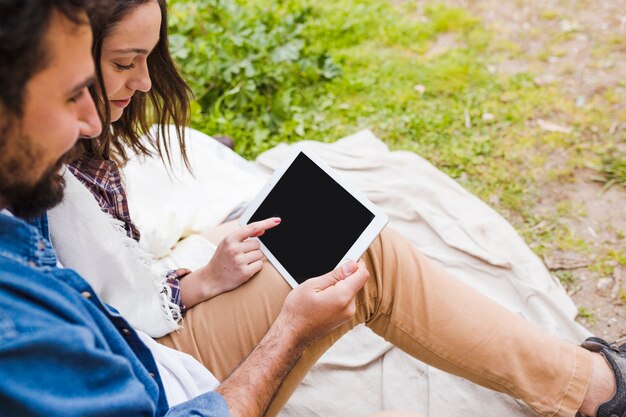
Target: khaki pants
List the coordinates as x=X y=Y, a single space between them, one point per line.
x=414 y=304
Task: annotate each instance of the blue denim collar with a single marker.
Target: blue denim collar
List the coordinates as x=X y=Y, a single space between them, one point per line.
x=24 y=243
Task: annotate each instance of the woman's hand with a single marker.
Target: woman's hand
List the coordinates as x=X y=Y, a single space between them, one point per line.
x=236 y=259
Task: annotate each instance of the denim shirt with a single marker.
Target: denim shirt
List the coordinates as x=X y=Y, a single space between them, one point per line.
x=65 y=353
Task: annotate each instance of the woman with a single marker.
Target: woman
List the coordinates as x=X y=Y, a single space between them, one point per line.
x=137 y=71
x=408 y=299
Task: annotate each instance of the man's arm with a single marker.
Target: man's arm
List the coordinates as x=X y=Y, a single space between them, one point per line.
x=249 y=389
x=310 y=312
x=56 y=361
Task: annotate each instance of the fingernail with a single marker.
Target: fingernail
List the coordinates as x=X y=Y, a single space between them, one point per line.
x=347 y=267
x=277 y=220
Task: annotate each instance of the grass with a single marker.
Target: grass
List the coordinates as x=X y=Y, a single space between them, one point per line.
x=613 y=168
x=565 y=277
x=504 y=160
x=587 y=315
x=434 y=105
x=430 y=105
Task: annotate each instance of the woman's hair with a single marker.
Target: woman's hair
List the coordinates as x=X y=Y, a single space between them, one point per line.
x=166 y=103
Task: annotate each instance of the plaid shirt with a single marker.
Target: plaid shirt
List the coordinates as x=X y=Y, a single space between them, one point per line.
x=103 y=179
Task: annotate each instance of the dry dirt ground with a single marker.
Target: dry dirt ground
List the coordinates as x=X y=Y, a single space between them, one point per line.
x=579 y=47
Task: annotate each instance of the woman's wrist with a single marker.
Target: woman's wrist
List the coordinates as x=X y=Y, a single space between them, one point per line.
x=197 y=287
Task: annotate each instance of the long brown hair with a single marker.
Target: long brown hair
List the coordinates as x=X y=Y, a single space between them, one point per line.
x=166 y=103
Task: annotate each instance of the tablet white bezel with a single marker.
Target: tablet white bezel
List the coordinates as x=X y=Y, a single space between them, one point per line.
x=358 y=247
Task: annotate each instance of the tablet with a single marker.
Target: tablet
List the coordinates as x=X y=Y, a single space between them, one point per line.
x=325 y=220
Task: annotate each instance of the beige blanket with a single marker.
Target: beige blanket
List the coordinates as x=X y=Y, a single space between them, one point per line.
x=362 y=373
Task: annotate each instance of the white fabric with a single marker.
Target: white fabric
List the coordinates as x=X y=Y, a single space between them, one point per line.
x=362 y=373
x=167 y=205
x=192 y=252
x=183 y=377
x=7 y=212
x=127 y=277
x=97 y=247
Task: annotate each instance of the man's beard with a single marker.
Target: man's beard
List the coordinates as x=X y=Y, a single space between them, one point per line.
x=20 y=195
x=27 y=202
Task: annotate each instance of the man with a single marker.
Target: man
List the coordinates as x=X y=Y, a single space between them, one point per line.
x=62 y=352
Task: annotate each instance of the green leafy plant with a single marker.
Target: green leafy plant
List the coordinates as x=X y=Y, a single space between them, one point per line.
x=246 y=66
x=587 y=315
x=613 y=169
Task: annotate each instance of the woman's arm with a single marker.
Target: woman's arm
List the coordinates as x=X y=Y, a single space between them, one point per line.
x=236 y=259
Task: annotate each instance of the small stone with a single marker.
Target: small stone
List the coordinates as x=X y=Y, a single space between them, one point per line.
x=607 y=64
x=420 y=88
x=545 y=79
x=569 y=26
x=488 y=117
x=604 y=286
x=552 y=127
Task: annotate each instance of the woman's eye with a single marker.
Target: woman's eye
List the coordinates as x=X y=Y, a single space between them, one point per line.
x=124 y=67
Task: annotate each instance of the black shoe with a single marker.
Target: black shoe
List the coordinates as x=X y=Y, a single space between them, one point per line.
x=616 y=358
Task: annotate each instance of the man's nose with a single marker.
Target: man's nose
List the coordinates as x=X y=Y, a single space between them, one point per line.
x=89 y=122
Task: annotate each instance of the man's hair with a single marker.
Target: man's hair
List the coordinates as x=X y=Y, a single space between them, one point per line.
x=23 y=26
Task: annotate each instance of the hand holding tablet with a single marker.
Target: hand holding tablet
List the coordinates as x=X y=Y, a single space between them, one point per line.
x=324 y=219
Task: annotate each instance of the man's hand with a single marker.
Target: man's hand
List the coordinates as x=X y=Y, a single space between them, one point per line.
x=237 y=258
x=320 y=304
x=310 y=312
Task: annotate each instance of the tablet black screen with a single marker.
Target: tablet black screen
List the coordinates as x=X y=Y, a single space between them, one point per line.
x=320 y=220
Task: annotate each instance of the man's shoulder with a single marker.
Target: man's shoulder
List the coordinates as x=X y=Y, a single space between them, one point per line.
x=16 y=272
x=31 y=300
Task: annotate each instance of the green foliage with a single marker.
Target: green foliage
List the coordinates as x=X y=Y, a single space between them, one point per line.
x=425 y=77
x=260 y=69
x=587 y=315
x=605 y=265
x=565 y=277
x=613 y=168
x=245 y=66
x=266 y=72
